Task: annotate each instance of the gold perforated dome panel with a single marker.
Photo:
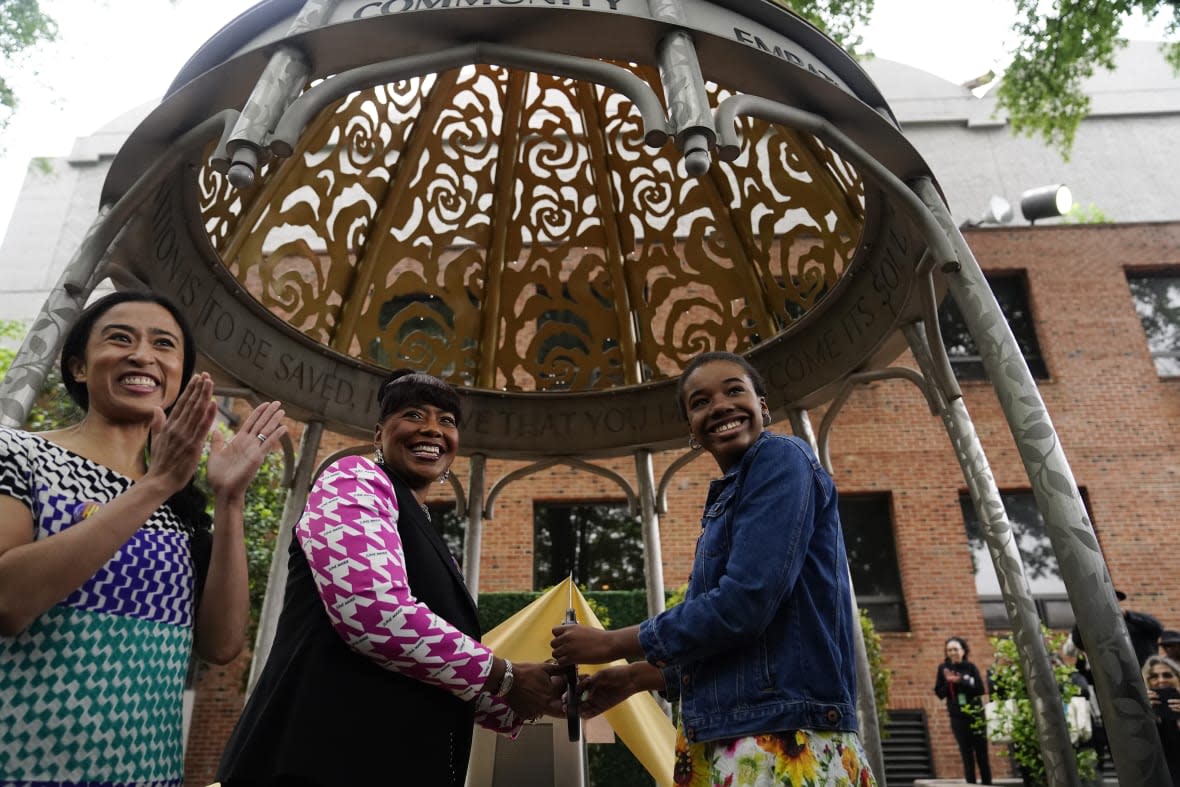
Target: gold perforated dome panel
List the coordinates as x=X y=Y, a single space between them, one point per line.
x=509 y=229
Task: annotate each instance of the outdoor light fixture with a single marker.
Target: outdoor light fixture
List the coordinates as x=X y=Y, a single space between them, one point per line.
x=1046 y=202
x=998 y=211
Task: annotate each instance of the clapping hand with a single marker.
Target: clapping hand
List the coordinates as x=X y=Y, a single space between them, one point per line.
x=234 y=463
x=178 y=438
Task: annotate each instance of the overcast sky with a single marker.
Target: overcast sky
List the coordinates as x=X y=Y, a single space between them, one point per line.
x=114 y=55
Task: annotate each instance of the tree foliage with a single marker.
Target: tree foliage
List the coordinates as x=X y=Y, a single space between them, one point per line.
x=599 y=543
x=23 y=26
x=1059 y=45
x=838 y=18
x=1007 y=683
x=882 y=675
x=262 y=516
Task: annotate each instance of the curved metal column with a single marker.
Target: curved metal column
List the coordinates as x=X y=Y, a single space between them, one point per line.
x=653 y=561
x=38 y=351
x=684 y=87
x=279 y=84
x=473 y=541
x=1130 y=725
x=1048 y=712
x=85 y=270
x=866 y=701
x=276 y=582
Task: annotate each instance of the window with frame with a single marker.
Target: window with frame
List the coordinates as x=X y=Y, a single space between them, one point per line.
x=1157 y=301
x=1011 y=291
x=867 y=521
x=600 y=543
x=445 y=517
x=1036 y=552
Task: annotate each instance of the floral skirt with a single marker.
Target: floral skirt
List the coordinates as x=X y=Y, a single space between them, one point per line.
x=794 y=758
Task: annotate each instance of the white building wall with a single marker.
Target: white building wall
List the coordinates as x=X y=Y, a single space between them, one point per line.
x=1124 y=163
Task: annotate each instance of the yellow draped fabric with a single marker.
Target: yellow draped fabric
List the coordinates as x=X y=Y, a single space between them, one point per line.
x=639 y=721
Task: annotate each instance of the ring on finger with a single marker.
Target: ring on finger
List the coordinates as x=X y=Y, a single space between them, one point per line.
x=261 y=437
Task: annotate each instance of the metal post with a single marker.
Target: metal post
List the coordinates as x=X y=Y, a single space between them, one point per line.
x=1130 y=726
x=279 y=84
x=866 y=700
x=39 y=350
x=473 y=542
x=1048 y=710
x=276 y=583
x=684 y=89
x=653 y=562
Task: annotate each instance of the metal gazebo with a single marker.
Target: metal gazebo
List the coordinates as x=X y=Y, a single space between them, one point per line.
x=554 y=204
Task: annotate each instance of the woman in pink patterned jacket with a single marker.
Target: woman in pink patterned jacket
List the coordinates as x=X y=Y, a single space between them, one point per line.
x=377 y=673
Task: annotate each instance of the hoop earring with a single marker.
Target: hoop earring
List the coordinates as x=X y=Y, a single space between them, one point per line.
x=692 y=442
x=379 y=456
x=766 y=419
x=446 y=476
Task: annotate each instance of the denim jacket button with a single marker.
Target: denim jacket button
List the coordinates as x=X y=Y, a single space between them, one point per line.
x=685 y=679
x=832 y=716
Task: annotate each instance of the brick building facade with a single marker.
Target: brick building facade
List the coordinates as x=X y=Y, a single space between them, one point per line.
x=1118 y=418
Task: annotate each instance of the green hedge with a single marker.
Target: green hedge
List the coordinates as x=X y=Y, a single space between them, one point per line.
x=622 y=607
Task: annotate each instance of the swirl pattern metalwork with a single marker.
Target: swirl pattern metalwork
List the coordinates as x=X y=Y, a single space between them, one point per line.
x=510 y=230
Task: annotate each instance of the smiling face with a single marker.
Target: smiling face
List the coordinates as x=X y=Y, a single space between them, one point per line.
x=419 y=442
x=133 y=361
x=1160 y=675
x=725 y=412
x=954 y=651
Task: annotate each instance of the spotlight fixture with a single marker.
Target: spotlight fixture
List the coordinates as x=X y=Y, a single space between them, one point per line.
x=1045 y=202
x=998 y=211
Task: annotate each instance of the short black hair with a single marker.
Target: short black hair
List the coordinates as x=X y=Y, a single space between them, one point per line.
x=407 y=386
x=710 y=357
x=962 y=644
x=74 y=346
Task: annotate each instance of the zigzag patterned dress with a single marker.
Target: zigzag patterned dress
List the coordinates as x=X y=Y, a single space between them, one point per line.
x=91 y=692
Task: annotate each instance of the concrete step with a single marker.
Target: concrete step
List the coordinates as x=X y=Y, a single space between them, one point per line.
x=1007 y=782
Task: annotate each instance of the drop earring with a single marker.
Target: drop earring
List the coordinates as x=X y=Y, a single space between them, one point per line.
x=692 y=442
x=379 y=455
x=446 y=476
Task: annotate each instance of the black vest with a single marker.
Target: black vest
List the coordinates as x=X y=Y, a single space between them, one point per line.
x=324 y=715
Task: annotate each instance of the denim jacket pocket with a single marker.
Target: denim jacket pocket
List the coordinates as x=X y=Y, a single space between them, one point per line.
x=714 y=538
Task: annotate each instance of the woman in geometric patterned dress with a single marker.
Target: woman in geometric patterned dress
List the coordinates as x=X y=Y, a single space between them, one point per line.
x=109 y=571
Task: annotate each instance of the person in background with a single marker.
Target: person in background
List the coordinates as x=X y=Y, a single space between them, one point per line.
x=1169 y=644
x=759 y=653
x=377 y=674
x=1144 y=632
x=110 y=571
x=959 y=683
x=1143 y=629
x=1162 y=676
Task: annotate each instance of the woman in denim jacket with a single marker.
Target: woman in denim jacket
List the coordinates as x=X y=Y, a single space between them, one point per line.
x=760 y=653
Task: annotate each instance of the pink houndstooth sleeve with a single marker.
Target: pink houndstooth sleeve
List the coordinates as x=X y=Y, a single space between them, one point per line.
x=348 y=533
x=493 y=713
